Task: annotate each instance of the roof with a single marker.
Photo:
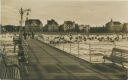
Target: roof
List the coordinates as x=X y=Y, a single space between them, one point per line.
x=33 y=20
x=30 y=21
x=116 y=23
x=52 y=21
x=69 y=22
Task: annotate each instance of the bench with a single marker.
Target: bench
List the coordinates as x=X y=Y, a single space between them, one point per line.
x=118 y=56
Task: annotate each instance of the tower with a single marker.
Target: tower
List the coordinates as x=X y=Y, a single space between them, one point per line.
x=111 y=25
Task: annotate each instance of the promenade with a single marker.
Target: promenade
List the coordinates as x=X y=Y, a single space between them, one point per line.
x=49 y=63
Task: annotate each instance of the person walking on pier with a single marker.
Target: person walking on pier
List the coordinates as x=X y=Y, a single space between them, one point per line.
x=33 y=35
x=25 y=35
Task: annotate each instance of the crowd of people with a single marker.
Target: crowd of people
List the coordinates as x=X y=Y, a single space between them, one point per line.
x=28 y=34
x=82 y=38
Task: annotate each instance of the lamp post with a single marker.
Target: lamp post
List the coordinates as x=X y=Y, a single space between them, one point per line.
x=22 y=12
x=21 y=53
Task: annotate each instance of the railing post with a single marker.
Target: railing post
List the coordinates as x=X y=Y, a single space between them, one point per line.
x=78 y=50
x=70 y=47
x=63 y=46
x=90 y=52
x=127 y=73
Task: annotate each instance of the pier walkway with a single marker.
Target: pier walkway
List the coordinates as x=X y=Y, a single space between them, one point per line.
x=49 y=63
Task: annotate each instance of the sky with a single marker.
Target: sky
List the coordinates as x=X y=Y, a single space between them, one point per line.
x=92 y=12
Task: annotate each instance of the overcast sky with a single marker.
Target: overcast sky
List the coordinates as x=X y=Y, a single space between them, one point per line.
x=95 y=13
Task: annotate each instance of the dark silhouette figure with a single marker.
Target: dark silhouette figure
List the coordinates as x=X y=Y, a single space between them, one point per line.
x=25 y=35
x=33 y=35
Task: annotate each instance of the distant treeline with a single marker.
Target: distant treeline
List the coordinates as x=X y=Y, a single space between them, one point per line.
x=12 y=28
x=98 y=30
